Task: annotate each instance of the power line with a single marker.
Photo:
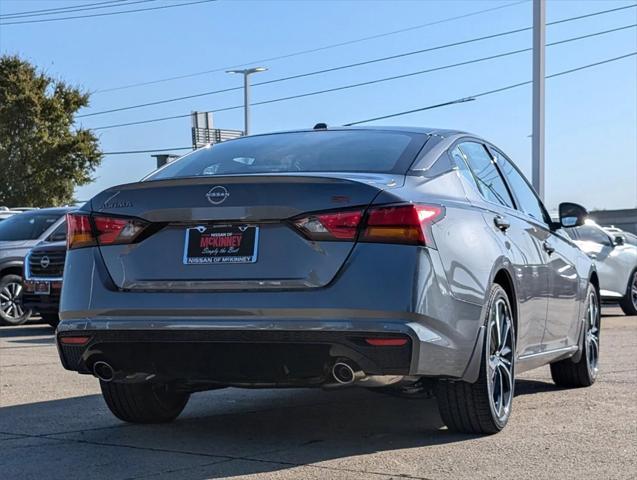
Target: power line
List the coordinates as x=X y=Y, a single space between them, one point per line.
x=370 y=82
x=107 y=14
x=46 y=12
x=497 y=90
x=341 y=67
x=314 y=50
x=429 y=107
x=130 y=152
x=57 y=9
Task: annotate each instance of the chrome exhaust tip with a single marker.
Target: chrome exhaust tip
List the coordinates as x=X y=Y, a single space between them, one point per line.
x=103 y=371
x=344 y=374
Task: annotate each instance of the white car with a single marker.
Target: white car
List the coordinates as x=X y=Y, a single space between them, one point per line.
x=616 y=260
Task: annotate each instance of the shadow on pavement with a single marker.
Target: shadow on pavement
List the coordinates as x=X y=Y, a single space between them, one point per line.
x=26 y=331
x=226 y=433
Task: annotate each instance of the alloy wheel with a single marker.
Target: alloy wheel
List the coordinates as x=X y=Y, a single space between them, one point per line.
x=592 y=334
x=11 y=301
x=633 y=290
x=500 y=353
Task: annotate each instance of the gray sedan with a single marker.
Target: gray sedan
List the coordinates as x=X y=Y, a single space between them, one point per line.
x=401 y=258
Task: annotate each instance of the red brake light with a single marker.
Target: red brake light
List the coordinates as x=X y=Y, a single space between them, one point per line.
x=386 y=342
x=408 y=224
x=78 y=231
x=85 y=231
x=331 y=225
x=74 y=340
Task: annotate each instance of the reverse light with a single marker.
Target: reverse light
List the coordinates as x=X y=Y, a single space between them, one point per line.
x=335 y=226
x=84 y=230
x=117 y=230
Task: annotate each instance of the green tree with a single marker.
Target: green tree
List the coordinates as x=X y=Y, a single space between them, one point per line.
x=43 y=157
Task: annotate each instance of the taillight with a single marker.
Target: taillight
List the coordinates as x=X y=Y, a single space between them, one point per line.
x=331 y=225
x=117 y=230
x=78 y=231
x=84 y=230
x=408 y=224
x=404 y=223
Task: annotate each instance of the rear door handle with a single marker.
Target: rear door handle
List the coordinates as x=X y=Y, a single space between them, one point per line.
x=548 y=247
x=501 y=222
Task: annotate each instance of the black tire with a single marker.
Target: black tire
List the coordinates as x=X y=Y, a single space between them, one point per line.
x=52 y=319
x=583 y=372
x=11 y=310
x=629 y=302
x=467 y=407
x=143 y=402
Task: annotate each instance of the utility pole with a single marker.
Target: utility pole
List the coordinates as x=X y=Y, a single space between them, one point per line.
x=246 y=93
x=539 y=42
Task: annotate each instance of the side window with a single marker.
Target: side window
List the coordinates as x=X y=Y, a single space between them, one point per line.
x=588 y=233
x=485 y=174
x=59 y=234
x=528 y=201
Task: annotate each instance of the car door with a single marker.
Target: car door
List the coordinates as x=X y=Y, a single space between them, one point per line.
x=521 y=242
x=559 y=254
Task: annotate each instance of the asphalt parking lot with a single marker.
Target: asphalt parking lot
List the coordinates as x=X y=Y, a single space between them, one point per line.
x=54 y=424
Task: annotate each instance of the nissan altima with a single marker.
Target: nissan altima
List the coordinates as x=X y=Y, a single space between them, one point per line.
x=396 y=258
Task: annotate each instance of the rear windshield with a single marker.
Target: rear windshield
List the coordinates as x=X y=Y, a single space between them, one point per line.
x=316 y=151
x=26 y=226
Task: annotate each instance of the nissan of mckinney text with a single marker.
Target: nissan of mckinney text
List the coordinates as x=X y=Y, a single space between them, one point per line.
x=410 y=259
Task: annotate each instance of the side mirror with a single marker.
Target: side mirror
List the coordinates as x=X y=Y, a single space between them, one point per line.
x=572 y=214
x=618 y=240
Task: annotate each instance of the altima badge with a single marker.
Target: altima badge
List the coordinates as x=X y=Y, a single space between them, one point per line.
x=217 y=195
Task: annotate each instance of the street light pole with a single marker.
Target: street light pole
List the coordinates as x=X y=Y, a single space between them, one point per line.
x=539 y=42
x=246 y=94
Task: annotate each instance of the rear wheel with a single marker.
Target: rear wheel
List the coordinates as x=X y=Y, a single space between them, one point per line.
x=11 y=310
x=485 y=406
x=51 y=318
x=567 y=373
x=143 y=402
x=629 y=302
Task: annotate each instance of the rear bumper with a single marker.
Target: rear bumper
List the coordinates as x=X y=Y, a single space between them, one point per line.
x=382 y=289
x=235 y=357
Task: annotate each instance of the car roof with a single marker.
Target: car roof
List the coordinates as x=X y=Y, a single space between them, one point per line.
x=53 y=211
x=422 y=130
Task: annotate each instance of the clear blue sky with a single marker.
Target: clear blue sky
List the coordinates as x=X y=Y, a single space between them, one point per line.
x=591 y=115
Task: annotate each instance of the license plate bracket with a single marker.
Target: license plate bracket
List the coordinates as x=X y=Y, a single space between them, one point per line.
x=221 y=244
x=42 y=288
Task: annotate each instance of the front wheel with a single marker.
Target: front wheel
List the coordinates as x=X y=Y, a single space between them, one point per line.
x=485 y=406
x=11 y=310
x=567 y=373
x=629 y=302
x=143 y=402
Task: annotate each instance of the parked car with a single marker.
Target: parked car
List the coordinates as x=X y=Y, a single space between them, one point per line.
x=6 y=213
x=17 y=235
x=43 y=273
x=616 y=261
x=409 y=258
x=626 y=237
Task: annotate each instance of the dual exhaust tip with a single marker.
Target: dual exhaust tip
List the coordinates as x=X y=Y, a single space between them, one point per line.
x=103 y=371
x=345 y=374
